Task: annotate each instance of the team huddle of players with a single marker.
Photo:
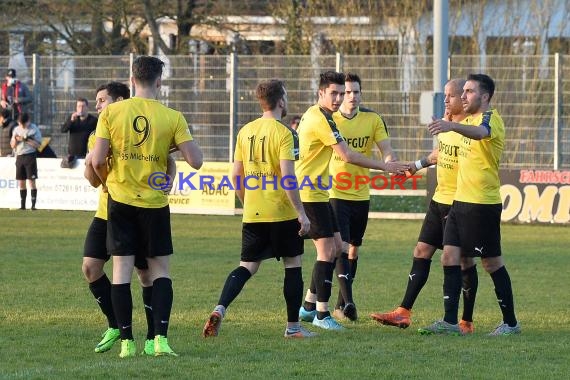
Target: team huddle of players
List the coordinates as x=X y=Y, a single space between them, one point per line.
x=133 y=221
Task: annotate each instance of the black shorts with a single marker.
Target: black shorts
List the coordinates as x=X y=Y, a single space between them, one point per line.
x=434 y=224
x=96 y=243
x=476 y=228
x=138 y=231
x=322 y=218
x=352 y=218
x=266 y=240
x=26 y=166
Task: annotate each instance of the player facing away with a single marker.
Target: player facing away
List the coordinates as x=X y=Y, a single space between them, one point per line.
x=273 y=216
x=138 y=133
x=95 y=252
x=362 y=129
x=473 y=225
x=318 y=138
x=431 y=235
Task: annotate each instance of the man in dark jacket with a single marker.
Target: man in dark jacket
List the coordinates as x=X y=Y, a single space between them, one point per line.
x=80 y=124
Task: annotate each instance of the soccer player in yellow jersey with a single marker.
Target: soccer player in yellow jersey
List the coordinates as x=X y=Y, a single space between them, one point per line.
x=361 y=128
x=318 y=138
x=431 y=234
x=273 y=216
x=473 y=225
x=138 y=133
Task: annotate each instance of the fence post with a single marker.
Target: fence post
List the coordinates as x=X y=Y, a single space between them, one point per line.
x=131 y=59
x=339 y=62
x=233 y=101
x=37 y=99
x=557 y=105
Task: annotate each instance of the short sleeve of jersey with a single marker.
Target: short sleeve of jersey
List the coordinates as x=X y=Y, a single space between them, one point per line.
x=102 y=129
x=91 y=142
x=182 y=131
x=328 y=132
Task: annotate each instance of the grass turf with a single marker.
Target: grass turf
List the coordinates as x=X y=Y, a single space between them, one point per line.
x=50 y=323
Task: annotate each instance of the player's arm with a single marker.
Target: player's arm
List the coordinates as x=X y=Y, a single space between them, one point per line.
x=473 y=132
x=237 y=178
x=170 y=172
x=192 y=153
x=388 y=153
x=356 y=158
x=89 y=172
x=290 y=187
x=99 y=160
x=424 y=162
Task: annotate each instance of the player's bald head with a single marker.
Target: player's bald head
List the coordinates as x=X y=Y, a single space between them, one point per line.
x=456 y=85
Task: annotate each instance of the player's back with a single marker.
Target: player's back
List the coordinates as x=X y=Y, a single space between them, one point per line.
x=141 y=132
x=261 y=144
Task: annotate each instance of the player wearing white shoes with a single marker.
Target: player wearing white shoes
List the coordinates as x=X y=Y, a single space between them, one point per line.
x=318 y=138
x=274 y=220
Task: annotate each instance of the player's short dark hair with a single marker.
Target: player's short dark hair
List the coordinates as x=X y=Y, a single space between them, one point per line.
x=269 y=93
x=486 y=83
x=351 y=77
x=115 y=90
x=330 y=77
x=24 y=118
x=83 y=100
x=6 y=113
x=147 y=69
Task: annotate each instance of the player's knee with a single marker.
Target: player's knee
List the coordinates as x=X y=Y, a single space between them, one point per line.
x=144 y=277
x=92 y=270
x=467 y=262
x=492 y=264
x=424 y=251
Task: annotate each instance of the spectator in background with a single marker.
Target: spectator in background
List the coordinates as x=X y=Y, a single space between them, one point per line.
x=7 y=125
x=79 y=125
x=25 y=141
x=15 y=96
x=295 y=122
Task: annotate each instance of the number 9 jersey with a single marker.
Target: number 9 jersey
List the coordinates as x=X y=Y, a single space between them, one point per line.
x=140 y=132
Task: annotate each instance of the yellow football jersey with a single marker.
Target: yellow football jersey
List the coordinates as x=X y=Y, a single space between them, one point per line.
x=478 y=177
x=317 y=132
x=260 y=146
x=140 y=132
x=102 y=205
x=361 y=132
x=447 y=167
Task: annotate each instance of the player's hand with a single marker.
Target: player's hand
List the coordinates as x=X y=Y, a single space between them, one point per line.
x=305 y=224
x=439 y=126
x=169 y=185
x=411 y=169
x=397 y=167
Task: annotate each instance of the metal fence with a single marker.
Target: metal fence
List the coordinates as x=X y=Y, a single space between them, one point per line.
x=216 y=94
